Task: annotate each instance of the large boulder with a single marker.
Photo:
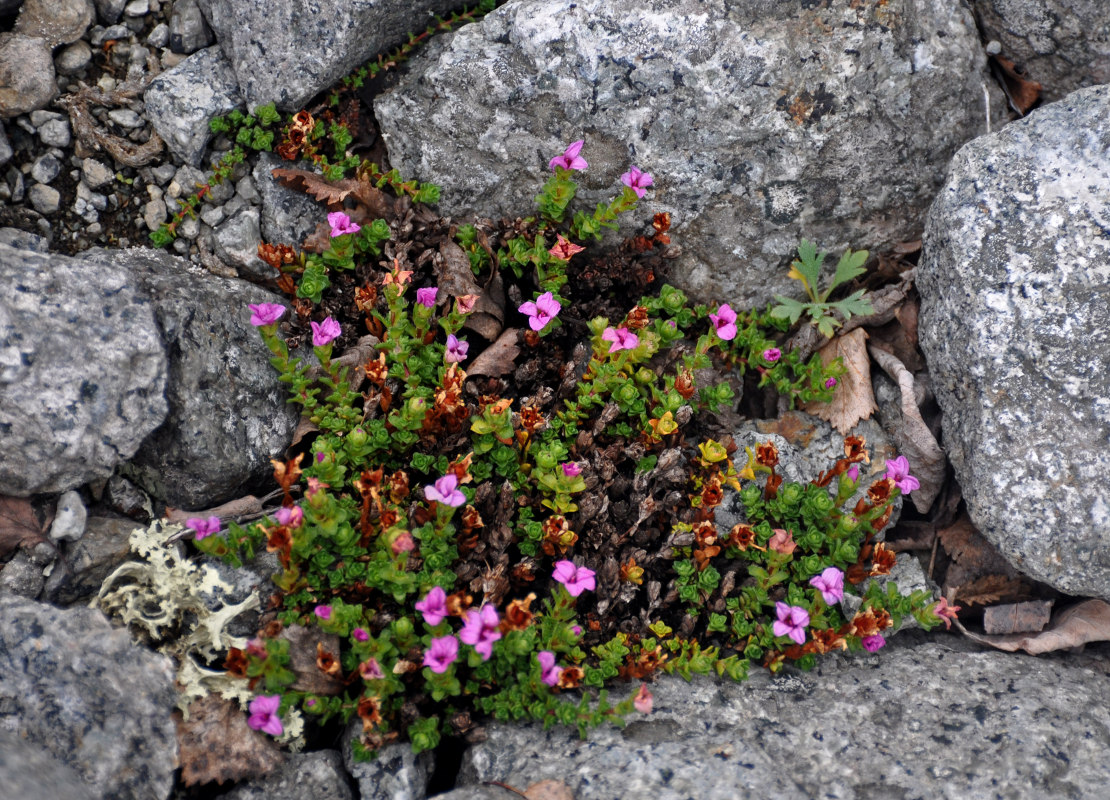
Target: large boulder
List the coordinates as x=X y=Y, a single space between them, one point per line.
x=288 y=52
x=82 y=371
x=88 y=696
x=1015 y=298
x=761 y=122
x=1062 y=44
x=915 y=720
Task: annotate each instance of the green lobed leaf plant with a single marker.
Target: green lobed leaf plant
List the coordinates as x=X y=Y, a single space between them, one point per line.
x=410 y=475
x=807 y=269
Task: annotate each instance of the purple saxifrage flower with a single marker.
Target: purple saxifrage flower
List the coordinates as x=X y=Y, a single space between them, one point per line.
x=571 y=469
x=456 y=349
x=325 y=332
x=549 y=673
x=265 y=313
x=542 y=311
x=898 y=470
x=480 y=630
x=873 y=643
x=340 y=224
x=446 y=491
x=792 y=621
x=575 y=579
x=434 y=606
x=323 y=612
x=724 y=322
x=830 y=583
x=290 y=517
x=771 y=355
x=570 y=158
x=370 y=670
x=360 y=635
x=441 y=654
x=830 y=383
x=427 y=297
x=203 y=527
x=637 y=181
x=264 y=714
x=621 y=338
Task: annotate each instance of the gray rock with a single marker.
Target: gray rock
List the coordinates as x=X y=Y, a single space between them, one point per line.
x=237 y=241
x=98 y=36
x=89 y=561
x=14 y=237
x=188 y=30
x=90 y=697
x=29 y=771
x=26 y=74
x=1062 y=44
x=6 y=151
x=69 y=518
x=21 y=576
x=164 y=173
x=56 y=21
x=181 y=101
x=1015 y=294
x=185 y=182
x=283 y=53
x=228 y=416
x=55 y=133
x=74 y=58
x=154 y=213
x=128 y=499
x=303 y=777
x=125 y=118
x=137 y=8
x=212 y=215
x=245 y=188
x=44 y=199
x=396 y=774
x=110 y=11
x=63 y=428
x=920 y=719
x=15 y=184
x=95 y=173
x=221 y=192
x=46 y=168
x=760 y=122
x=189 y=228
x=287 y=216
x=159 y=35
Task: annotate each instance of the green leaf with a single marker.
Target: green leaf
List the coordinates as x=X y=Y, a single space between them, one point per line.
x=788 y=308
x=809 y=262
x=855 y=303
x=826 y=326
x=849 y=266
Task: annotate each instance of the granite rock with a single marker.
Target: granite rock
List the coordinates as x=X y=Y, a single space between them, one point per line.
x=1015 y=294
x=90 y=560
x=396 y=774
x=55 y=21
x=305 y=776
x=26 y=74
x=28 y=771
x=287 y=216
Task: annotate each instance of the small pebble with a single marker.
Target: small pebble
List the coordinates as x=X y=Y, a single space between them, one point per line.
x=73 y=58
x=94 y=229
x=106 y=83
x=95 y=173
x=44 y=199
x=154 y=214
x=46 y=168
x=40 y=117
x=212 y=215
x=69 y=518
x=55 y=133
x=112 y=33
x=137 y=8
x=189 y=228
x=159 y=36
x=125 y=118
x=164 y=173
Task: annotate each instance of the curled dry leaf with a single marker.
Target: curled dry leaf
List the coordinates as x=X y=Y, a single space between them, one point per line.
x=1087 y=622
x=1028 y=617
x=912 y=436
x=1019 y=89
x=454 y=276
x=18 y=526
x=312 y=183
x=853 y=399
x=216 y=744
x=990 y=589
x=499 y=358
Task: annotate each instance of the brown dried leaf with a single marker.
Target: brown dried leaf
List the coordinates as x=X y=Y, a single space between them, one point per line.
x=549 y=790
x=216 y=744
x=305 y=426
x=989 y=589
x=912 y=436
x=1028 y=617
x=18 y=526
x=239 y=507
x=1087 y=622
x=312 y=183
x=1020 y=91
x=499 y=358
x=853 y=399
x=454 y=276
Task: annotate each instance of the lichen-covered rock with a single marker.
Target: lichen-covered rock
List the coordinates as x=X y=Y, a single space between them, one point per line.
x=288 y=52
x=1062 y=44
x=89 y=696
x=761 y=122
x=919 y=719
x=1015 y=298
x=82 y=371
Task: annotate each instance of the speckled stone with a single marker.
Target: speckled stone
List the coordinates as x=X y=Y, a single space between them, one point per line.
x=303 y=777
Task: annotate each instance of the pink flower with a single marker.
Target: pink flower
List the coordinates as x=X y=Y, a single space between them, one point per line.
x=456 y=349
x=324 y=332
x=446 y=491
x=782 y=542
x=898 y=470
x=314 y=486
x=320 y=458
x=480 y=630
x=203 y=527
x=441 y=654
x=541 y=312
x=571 y=469
x=771 y=355
x=575 y=579
x=622 y=339
x=465 y=304
x=290 y=517
x=636 y=181
x=256 y=648
x=853 y=472
x=570 y=158
x=873 y=644
x=642 y=702
x=403 y=544
x=427 y=297
x=265 y=313
x=945 y=612
x=370 y=670
x=360 y=635
x=725 y=322
x=549 y=673
x=576 y=630
x=264 y=714
x=830 y=584
x=341 y=224
x=830 y=383
x=792 y=621
x=564 y=248
x=323 y=612
x=434 y=606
